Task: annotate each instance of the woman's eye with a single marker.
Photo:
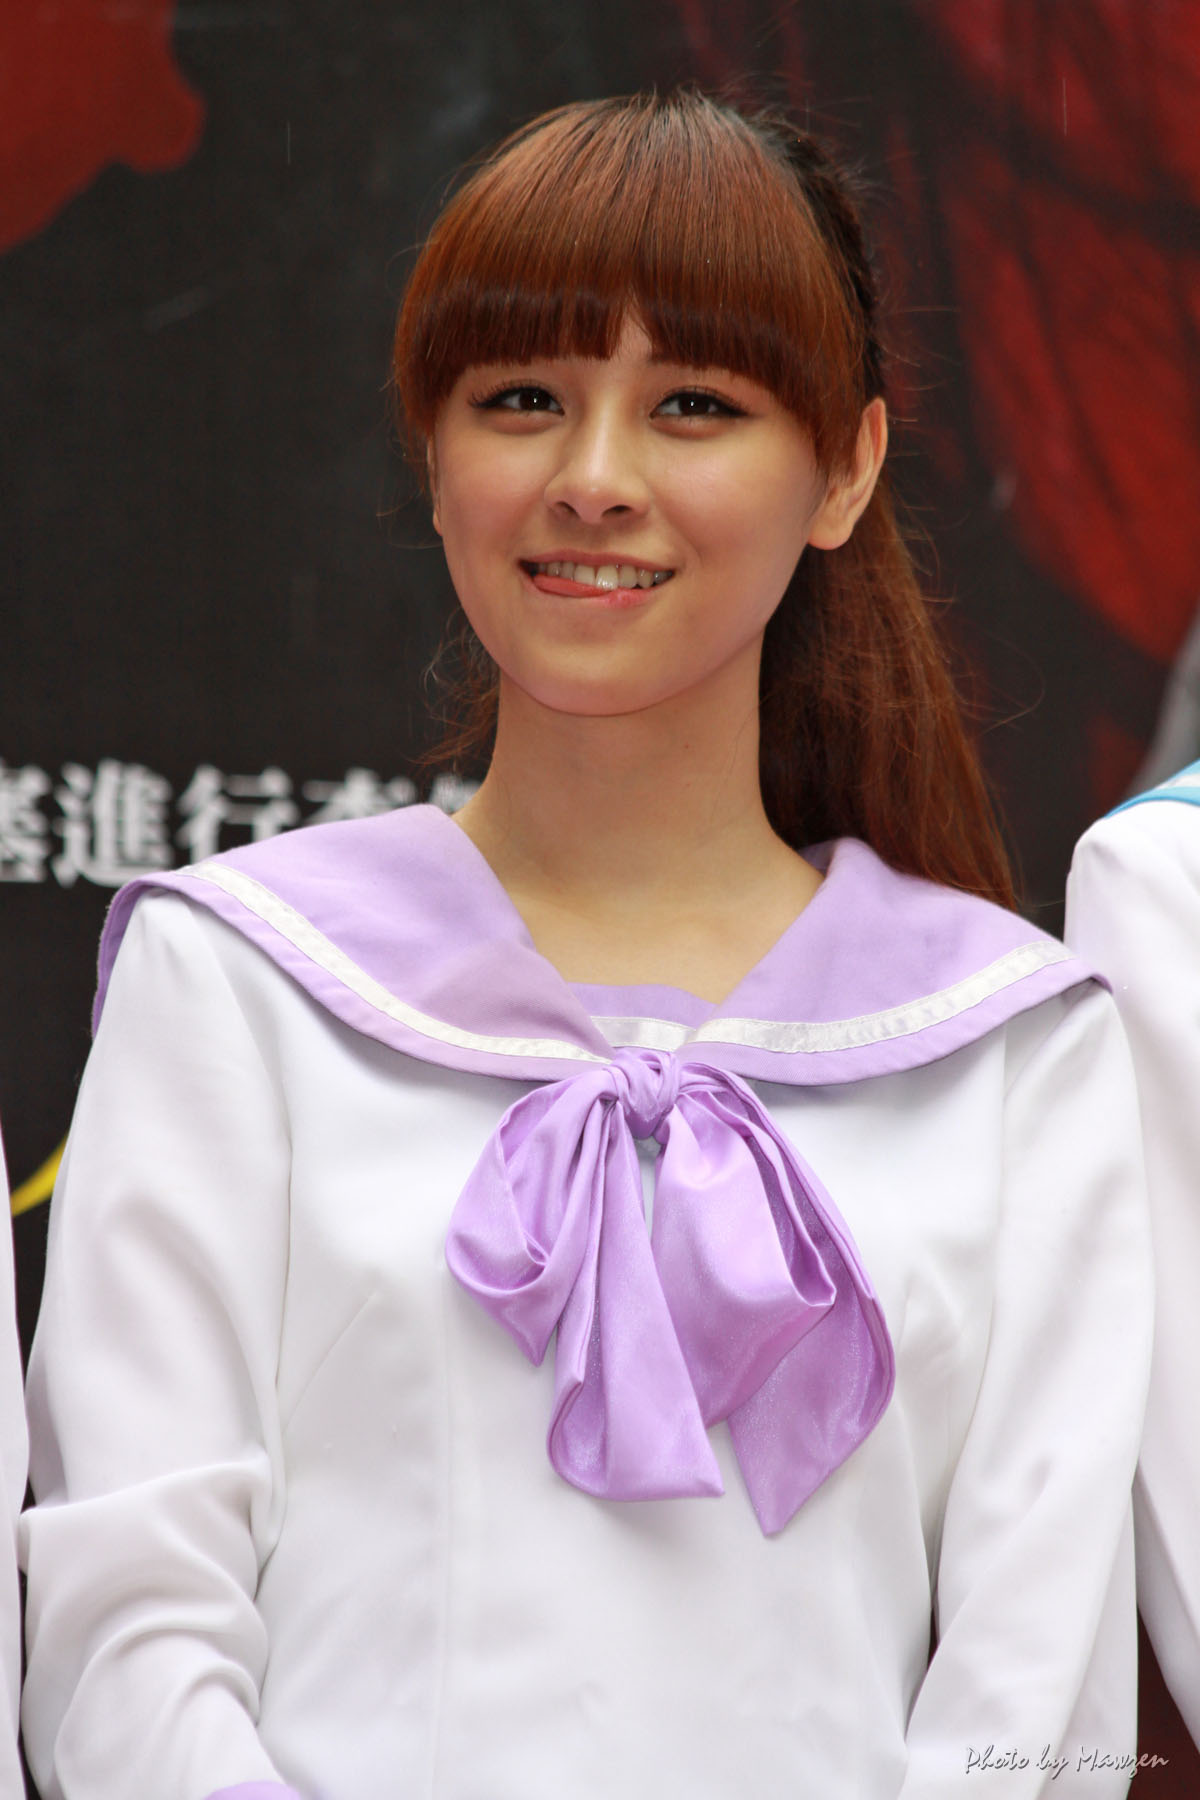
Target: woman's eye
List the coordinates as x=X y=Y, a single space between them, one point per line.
x=696 y=403
x=524 y=397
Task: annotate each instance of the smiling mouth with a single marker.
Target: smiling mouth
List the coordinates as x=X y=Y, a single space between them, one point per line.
x=605 y=576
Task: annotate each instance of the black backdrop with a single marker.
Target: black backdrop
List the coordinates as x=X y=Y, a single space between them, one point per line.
x=219 y=590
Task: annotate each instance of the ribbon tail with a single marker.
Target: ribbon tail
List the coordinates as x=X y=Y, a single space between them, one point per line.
x=739 y=1302
x=830 y=1388
x=824 y=1398
x=815 y=1408
x=626 y=1423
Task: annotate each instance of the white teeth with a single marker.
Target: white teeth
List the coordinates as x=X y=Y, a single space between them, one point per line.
x=607 y=577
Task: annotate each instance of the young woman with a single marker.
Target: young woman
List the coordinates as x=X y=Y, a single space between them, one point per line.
x=1133 y=903
x=640 y=1288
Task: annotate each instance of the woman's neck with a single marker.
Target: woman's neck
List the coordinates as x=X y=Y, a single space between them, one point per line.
x=636 y=848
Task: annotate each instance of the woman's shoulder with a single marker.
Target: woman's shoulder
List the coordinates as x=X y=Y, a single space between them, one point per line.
x=904 y=933
x=1133 y=895
x=886 y=970
x=396 y=926
x=346 y=888
x=1160 y=826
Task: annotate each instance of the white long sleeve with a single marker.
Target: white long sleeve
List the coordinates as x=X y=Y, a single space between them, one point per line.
x=1035 y=1570
x=156 y=1459
x=1134 y=908
x=13 y=1456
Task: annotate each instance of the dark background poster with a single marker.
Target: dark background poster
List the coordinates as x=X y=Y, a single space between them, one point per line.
x=219 y=588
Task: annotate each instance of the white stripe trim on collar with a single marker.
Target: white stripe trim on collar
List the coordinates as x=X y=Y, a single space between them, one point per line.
x=321 y=950
x=788 y=1038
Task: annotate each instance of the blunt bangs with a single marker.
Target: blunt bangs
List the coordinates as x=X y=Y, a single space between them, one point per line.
x=672 y=209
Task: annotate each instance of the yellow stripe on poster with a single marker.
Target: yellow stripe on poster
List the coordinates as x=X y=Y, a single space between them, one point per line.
x=39 y=1187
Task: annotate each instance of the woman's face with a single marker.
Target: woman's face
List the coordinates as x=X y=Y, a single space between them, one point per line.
x=620 y=531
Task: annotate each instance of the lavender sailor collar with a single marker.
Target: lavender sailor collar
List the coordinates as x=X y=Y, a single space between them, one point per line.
x=397 y=926
x=746 y=1299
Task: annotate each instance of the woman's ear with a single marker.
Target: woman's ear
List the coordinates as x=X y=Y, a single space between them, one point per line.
x=847 y=495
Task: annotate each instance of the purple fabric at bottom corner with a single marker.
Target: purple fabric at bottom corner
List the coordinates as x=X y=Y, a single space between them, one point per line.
x=256 y=1790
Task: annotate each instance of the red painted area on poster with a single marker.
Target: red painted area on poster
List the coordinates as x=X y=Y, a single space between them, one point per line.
x=85 y=83
x=1114 y=757
x=1114 y=86
x=1077 y=330
x=1073 y=210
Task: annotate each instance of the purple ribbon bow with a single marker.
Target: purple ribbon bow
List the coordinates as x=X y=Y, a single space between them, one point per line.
x=745 y=1301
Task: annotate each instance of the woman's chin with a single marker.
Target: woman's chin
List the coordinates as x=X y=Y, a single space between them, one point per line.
x=585 y=693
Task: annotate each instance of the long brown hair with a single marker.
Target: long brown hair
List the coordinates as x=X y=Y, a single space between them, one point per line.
x=736 y=242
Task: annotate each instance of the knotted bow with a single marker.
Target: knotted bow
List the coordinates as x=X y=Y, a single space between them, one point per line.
x=745 y=1301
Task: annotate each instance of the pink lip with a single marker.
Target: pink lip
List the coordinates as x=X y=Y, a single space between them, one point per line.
x=617 y=598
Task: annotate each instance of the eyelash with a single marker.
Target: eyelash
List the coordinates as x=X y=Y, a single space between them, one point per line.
x=494 y=401
x=723 y=409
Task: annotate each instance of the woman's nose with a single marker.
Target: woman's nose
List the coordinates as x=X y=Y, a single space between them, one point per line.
x=598 y=473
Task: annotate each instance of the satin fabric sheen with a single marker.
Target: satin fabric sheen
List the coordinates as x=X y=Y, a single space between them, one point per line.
x=745 y=1301
x=256 y=1790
